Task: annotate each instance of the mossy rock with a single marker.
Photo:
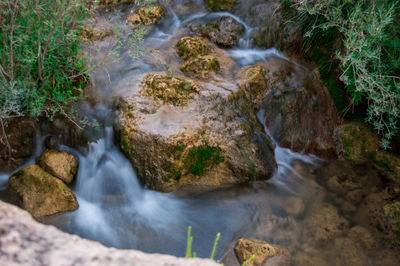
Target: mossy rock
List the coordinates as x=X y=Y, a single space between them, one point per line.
x=357 y=141
x=60 y=164
x=168 y=89
x=112 y=2
x=202 y=66
x=388 y=163
x=91 y=34
x=392 y=211
x=147 y=15
x=220 y=5
x=246 y=248
x=41 y=193
x=224 y=32
x=255 y=83
x=188 y=47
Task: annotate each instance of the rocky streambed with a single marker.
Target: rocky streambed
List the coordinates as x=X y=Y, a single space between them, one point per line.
x=203 y=128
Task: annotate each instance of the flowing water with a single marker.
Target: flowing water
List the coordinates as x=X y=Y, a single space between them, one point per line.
x=117 y=211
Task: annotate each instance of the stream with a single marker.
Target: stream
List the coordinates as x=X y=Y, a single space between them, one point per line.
x=116 y=210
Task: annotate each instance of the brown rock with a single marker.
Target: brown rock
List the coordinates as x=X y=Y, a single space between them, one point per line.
x=201 y=66
x=225 y=31
x=60 y=164
x=188 y=47
x=147 y=15
x=41 y=193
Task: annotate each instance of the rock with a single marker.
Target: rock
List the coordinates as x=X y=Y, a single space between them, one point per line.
x=201 y=66
x=51 y=142
x=92 y=34
x=60 y=164
x=147 y=15
x=220 y=5
x=212 y=140
x=25 y=242
x=21 y=135
x=299 y=111
x=111 y=2
x=225 y=31
x=343 y=183
x=362 y=236
x=356 y=141
x=42 y=194
x=191 y=47
x=246 y=248
x=168 y=89
x=392 y=211
x=347 y=253
x=325 y=223
x=294 y=206
x=388 y=163
x=254 y=83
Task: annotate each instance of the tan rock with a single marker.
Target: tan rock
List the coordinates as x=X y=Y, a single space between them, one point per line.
x=188 y=47
x=60 y=164
x=147 y=15
x=201 y=66
x=42 y=194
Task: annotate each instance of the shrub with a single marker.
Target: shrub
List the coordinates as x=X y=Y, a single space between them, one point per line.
x=367 y=36
x=41 y=70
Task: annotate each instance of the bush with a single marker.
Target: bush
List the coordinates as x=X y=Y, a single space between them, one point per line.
x=367 y=44
x=41 y=70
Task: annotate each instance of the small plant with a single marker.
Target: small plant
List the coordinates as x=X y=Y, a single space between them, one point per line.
x=168 y=71
x=190 y=254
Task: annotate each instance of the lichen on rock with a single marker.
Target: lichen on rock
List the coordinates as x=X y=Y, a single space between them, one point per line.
x=201 y=66
x=41 y=193
x=168 y=89
x=60 y=164
x=147 y=15
x=188 y=47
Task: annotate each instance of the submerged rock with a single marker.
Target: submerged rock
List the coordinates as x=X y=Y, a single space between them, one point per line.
x=188 y=47
x=60 y=164
x=41 y=193
x=356 y=141
x=201 y=66
x=392 y=211
x=224 y=31
x=220 y=5
x=256 y=252
x=168 y=89
x=147 y=15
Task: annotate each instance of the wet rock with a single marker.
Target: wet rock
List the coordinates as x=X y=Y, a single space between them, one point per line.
x=294 y=206
x=225 y=31
x=201 y=66
x=343 y=183
x=92 y=34
x=147 y=15
x=388 y=163
x=220 y=5
x=254 y=83
x=356 y=141
x=60 y=164
x=347 y=253
x=392 y=211
x=188 y=47
x=51 y=142
x=168 y=89
x=362 y=236
x=325 y=223
x=263 y=252
x=284 y=230
x=212 y=140
x=25 y=242
x=21 y=135
x=299 y=111
x=41 y=193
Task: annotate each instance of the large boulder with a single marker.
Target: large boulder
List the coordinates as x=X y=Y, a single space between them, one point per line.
x=147 y=15
x=18 y=144
x=298 y=109
x=25 y=242
x=225 y=31
x=257 y=252
x=60 y=164
x=212 y=139
x=41 y=193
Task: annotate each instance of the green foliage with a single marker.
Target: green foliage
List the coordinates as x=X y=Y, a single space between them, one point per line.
x=198 y=158
x=41 y=68
x=365 y=38
x=189 y=242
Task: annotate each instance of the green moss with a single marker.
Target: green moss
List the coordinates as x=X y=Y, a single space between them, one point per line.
x=124 y=144
x=220 y=5
x=62 y=186
x=201 y=157
x=214 y=64
x=393 y=212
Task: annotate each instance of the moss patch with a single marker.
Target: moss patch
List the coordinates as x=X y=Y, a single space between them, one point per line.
x=199 y=158
x=202 y=66
x=220 y=5
x=188 y=47
x=168 y=89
